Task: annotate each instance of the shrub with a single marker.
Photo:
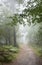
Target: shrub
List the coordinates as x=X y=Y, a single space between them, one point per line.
x=7 y=53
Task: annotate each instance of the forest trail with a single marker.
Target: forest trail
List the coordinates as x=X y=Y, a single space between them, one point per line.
x=26 y=56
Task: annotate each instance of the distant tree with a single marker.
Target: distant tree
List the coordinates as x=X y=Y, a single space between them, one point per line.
x=15 y=20
x=35 y=34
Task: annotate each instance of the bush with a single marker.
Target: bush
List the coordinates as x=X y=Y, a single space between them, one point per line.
x=40 y=52
x=7 y=53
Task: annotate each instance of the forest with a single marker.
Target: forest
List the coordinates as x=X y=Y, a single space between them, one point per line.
x=20 y=32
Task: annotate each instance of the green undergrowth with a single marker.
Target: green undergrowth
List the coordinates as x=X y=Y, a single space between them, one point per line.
x=37 y=49
x=8 y=53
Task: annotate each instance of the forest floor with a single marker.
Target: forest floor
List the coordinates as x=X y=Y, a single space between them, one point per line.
x=26 y=56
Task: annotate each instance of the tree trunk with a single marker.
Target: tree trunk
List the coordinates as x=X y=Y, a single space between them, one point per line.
x=15 y=44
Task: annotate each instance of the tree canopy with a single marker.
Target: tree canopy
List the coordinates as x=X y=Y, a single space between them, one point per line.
x=33 y=10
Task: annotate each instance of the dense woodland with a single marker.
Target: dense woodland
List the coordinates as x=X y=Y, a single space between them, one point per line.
x=10 y=22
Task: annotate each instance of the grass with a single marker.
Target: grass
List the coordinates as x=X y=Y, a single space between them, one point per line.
x=37 y=50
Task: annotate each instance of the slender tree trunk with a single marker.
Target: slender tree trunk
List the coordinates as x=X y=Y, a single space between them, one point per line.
x=15 y=44
x=6 y=41
x=9 y=38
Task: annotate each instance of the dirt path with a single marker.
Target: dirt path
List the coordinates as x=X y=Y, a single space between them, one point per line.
x=25 y=57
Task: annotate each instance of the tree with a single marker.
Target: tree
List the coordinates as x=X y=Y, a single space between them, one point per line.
x=35 y=34
x=15 y=20
x=34 y=10
x=15 y=43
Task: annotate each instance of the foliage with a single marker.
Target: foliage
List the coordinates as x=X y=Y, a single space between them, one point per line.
x=34 y=10
x=35 y=38
x=37 y=49
x=20 y=1
x=7 y=53
x=16 y=18
x=35 y=34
